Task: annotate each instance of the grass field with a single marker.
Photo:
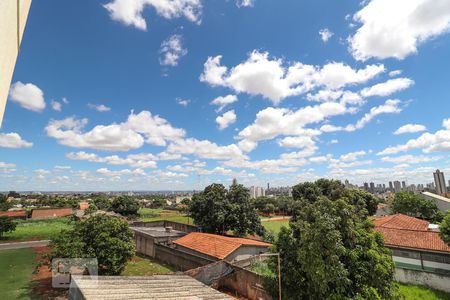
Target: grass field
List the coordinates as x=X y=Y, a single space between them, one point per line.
x=413 y=292
x=275 y=226
x=145 y=266
x=39 y=229
x=16 y=270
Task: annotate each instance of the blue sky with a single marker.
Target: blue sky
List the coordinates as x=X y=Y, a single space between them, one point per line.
x=176 y=94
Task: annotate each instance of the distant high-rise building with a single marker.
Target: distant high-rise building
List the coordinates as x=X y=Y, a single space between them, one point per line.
x=403 y=185
x=268 y=186
x=391 y=187
x=397 y=186
x=256 y=191
x=372 y=187
x=439 y=181
x=366 y=186
x=234 y=181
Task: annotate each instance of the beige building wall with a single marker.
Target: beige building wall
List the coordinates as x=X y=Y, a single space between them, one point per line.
x=13 y=17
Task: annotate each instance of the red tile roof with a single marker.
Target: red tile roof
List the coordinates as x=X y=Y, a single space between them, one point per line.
x=47 y=213
x=215 y=245
x=408 y=232
x=13 y=214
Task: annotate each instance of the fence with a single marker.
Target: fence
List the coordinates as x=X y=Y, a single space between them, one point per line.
x=164 y=223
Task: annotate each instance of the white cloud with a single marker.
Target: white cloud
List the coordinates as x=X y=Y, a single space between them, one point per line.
x=428 y=142
x=223 y=101
x=28 y=95
x=391 y=106
x=13 y=140
x=397 y=28
x=325 y=34
x=172 y=50
x=410 y=128
x=226 y=119
x=352 y=156
x=274 y=80
x=395 y=73
x=183 y=102
x=204 y=149
x=99 y=107
x=115 y=137
x=129 y=12
x=41 y=171
x=7 y=167
x=245 y=3
x=410 y=159
x=56 y=106
x=110 y=173
x=387 y=88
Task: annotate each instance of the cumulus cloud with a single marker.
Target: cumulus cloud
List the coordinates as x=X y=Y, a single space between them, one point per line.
x=396 y=28
x=325 y=34
x=275 y=80
x=172 y=50
x=28 y=95
x=391 y=106
x=387 y=88
x=115 y=137
x=13 y=140
x=223 y=101
x=427 y=142
x=410 y=159
x=183 y=102
x=352 y=156
x=226 y=119
x=245 y=3
x=204 y=149
x=410 y=128
x=56 y=106
x=7 y=167
x=99 y=107
x=129 y=12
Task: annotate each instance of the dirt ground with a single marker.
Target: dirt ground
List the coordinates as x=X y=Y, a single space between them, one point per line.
x=43 y=280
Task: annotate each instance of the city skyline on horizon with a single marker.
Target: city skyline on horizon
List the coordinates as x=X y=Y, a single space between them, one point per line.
x=171 y=97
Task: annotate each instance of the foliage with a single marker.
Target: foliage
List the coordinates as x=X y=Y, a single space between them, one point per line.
x=102 y=202
x=219 y=210
x=106 y=238
x=362 y=200
x=125 y=205
x=421 y=292
x=4 y=204
x=445 y=228
x=92 y=208
x=330 y=250
x=415 y=206
x=13 y=194
x=7 y=224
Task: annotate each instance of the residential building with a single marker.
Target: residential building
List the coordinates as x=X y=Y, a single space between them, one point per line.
x=403 y=186
x=217 y=247
x=420 y=255
x=141 y=287
x=147 y=237
x=439 y=181
x=256 y=191
x=397 y=186
x=391 y=186
x=13 y=17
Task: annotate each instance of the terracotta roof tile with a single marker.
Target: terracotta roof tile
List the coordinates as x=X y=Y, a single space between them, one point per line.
x=215 y=245
x=408 y=232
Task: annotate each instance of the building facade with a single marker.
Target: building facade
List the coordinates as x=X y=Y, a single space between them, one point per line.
x=439 y=181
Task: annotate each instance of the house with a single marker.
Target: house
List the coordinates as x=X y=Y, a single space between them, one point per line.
x=140 y=287
x=83 y=205
x=146 y=238
x=49 y=213
x=217 y=247
x=15 y=214
x=419 y=254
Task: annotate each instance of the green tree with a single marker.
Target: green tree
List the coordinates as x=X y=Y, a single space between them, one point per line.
x=4 y=204
x=362 y=200
x=102 y=202
x=445 y=228
x=125 y=205
x=106 y=238
x=7 y=224
x=217 y=210
x=331 y=251
x=415 y=206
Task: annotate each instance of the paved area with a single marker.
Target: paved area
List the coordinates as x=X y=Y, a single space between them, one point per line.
x=20 y=245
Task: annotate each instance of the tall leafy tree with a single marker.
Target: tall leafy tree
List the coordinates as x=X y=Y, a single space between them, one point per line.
x=7 y=224
x=415 y=206
x=218 y=210
x=125 y=205
x=445 y=228
x=106 y=238
x=330 y=250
